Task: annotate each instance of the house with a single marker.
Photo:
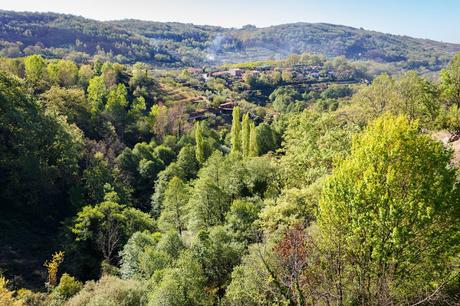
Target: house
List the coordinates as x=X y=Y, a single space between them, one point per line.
x=219 y=73
x=227 y=107
x=236 y=72
x=193 y=70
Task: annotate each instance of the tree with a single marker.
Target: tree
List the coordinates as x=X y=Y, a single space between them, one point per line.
x=68 y=102
x=236 y=130
x=117 y=104
x=110 y=290
x=116 y=99
x=108 y=225
x=52 y=266
x=35 y=67
x=217 y=254
x=95 y=178
x=389 y=214
x=284 y=98
x=240 y=219
x=419 y=99
x=265 y=139
x=378 y=97
x=200 y=144
x=132 y=252
x=209 y=200
x=85 y=73
x=39 y=153
x=96 y=94
x=312 y=142
x=450 y=93
x=183 y=285
x=140 y=167
x=63 y=73
x=245 y=134
x=173 y=215
x=253 y=145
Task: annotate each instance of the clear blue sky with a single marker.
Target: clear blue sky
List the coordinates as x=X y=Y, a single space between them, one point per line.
x=435 y=19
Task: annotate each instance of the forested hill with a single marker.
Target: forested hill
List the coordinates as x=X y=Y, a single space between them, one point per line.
x=178 y=45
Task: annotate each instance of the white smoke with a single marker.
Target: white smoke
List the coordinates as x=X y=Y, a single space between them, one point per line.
x=214 y=47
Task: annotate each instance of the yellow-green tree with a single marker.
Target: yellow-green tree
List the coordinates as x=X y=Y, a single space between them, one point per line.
x=173 y=215
x=389 y=215
x=450 y=93
x=245 y=134
x=253 y=144
x=63 y=73
x=96 y=94
x=200 y=144
x=35 y=67
x=236 y=130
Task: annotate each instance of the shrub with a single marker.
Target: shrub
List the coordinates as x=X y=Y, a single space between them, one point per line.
x=108 y=291
x=7 y=296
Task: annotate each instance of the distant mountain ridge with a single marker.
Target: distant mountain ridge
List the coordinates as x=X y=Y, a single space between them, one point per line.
x=175 y=44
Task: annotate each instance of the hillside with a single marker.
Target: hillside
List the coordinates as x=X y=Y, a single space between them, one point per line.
x=178 y=45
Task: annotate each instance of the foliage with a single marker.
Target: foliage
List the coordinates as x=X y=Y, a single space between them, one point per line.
x=393 y=197
x=173 y=215
x=108 y=225
x=236 y=130
x=110 y=290
x=52 y=266
x=6 y=296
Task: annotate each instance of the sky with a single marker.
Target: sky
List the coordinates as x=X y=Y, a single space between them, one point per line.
x=434 y=19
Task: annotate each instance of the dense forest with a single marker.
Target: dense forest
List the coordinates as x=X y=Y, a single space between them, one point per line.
x=178 y=45
x=306 y=180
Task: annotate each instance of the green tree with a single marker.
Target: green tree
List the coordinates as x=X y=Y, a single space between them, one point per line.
x=377 y=98
x=69 y=102
x=389 y=214
x=116 y=99
x=265 y=139
x=108 y=225
x=236 y=131
x=245 y=134
x=39 y=153
x=63 y=73
x=132 y=252
x=253 y=145
x=85 y=73
x=173 y=215
x=117 y=104
x=312 y=142
x=183 y=285
x=240 y=219
x=95 y=178
x=218 y=254
x=450 y=93
x=209 y=200
x=419 y=99
x=96 y=94
x=35 y=68
x=200 y=144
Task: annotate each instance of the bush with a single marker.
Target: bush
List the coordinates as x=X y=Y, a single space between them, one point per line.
x=30 y=298
x=7 y=296
x=109 y=291
x=68 y=286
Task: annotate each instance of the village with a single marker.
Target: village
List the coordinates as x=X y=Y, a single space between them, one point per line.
x=261 y=80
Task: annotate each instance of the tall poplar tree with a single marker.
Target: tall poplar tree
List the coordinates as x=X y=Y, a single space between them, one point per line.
x=245 y=134
x=236 y=131
x=200 y=145
x=253 y=145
